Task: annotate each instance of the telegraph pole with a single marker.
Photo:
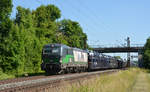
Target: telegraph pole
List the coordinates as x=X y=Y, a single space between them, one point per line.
x=128 y=54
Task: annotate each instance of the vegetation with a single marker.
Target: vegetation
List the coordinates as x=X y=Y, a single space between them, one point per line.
x=146 y=62
x=118 y=82
x=5 y=76
x=132 y=80
x=22 y=38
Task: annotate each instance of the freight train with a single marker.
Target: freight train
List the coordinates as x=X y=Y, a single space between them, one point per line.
x=59 y=58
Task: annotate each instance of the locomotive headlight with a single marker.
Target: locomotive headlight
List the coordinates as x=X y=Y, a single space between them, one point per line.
x=60 y=59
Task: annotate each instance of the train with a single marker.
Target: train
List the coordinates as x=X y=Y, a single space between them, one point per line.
x=60 y=58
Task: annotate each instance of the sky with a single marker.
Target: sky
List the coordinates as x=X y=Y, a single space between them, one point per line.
x=106 y=22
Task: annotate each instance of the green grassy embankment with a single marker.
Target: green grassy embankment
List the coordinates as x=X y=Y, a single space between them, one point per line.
x=117 y=82
x=142 y=83
x=123 y=81
x=4 y=76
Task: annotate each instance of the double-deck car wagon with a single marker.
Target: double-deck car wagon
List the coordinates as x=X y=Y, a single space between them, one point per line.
x=101 y=61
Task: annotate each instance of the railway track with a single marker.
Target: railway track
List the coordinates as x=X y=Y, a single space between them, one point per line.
x=42 y=83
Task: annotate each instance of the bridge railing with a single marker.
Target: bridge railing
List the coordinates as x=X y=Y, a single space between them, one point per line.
x=137 y=45
x=115 y=46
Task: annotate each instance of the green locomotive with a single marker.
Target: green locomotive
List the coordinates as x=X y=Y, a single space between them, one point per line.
x=59 y=58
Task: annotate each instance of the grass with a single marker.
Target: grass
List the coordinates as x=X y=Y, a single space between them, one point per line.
x=142 y=83
x=118 y=82
x=123 y=81
x=4 y=76
x=148 y=77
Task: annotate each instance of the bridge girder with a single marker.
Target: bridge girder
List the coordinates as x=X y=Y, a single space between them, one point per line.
x=118 y=49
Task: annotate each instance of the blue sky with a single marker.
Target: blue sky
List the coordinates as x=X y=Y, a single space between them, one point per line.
x=104 y=21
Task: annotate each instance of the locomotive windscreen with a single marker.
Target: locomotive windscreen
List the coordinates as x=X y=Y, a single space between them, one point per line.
x=51 y=50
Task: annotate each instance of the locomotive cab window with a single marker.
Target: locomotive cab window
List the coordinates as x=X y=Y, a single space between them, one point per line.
x=49 y=50
x=46 y=51
x=64 y=51
x=70 y=51
x=55 y=50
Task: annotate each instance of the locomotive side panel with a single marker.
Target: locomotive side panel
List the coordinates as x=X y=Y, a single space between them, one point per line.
x=80 y=57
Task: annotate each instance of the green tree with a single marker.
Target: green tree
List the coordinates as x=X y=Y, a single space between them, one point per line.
x=146 y=55
x=36 y=29
x=5 y=22
x=24 y=17
x=44 y=16
x=5 y=9
x=10 y=52
x=73 y=33
x=44 y=21
x=5 y=28
x=30 y=45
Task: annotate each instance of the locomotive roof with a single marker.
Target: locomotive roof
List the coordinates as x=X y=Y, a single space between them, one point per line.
x=62 y=45
x=57 y=45
x=80 y=50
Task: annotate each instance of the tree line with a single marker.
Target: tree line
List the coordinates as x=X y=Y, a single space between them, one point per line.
x=22 y=38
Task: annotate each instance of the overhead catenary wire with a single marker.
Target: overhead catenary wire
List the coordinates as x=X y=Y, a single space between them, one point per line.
x=94 y=16
x=93 y=27
x=91 y=11
x=74 y=14
x=83 y=13
x=91 y=15
x=75 y=9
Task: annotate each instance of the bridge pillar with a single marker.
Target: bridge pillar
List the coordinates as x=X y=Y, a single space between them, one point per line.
x=140 y=58
x=128 y=54
x=128 y=63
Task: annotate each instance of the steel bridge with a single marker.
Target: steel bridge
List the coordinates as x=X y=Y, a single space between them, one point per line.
x=122 y=49
x=117 y=49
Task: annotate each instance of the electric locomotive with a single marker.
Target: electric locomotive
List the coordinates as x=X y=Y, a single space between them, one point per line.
x=58 y=58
